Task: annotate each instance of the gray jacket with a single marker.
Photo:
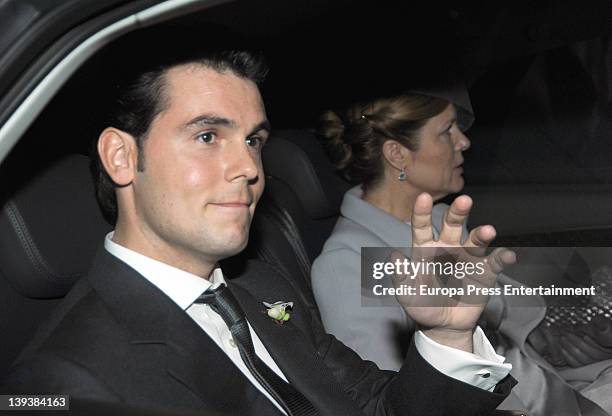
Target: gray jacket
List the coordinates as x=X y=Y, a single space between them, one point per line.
x=377 y=331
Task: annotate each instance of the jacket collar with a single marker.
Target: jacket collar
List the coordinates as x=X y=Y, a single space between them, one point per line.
x=393 y=232
x=138 y=305
x=179 y=285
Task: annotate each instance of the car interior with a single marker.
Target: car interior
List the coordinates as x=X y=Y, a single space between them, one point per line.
x=539 y=168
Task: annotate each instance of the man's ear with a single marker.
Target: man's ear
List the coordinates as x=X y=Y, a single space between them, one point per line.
x=119 y=155
x=396 y=154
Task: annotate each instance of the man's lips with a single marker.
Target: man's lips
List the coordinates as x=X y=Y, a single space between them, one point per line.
x=232 y=204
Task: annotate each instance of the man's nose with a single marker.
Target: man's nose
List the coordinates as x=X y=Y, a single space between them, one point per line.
x=241 y=162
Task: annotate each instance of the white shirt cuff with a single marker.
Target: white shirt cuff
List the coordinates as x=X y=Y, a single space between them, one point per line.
x=483 y=368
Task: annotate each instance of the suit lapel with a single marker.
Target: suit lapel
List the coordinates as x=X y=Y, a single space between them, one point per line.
x=192 y=358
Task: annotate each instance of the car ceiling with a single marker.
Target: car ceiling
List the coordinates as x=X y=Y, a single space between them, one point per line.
x=325 y=54
x=330 y=53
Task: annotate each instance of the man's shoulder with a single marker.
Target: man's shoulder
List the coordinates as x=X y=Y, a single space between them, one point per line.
x=81 y=317
x=78 y=336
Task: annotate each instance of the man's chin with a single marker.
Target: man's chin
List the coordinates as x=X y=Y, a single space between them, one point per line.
x=232 y=247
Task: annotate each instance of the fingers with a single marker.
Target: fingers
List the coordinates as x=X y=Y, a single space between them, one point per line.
x=570 y=359
x=398 y=278
x=602 y=331
x=574 y=355
x=479 y=239
x=538 y=341
x=422 y=230
x=555 y=355
x=500 y=258
x=454 y=220
x=568 y=348
x=591 y=352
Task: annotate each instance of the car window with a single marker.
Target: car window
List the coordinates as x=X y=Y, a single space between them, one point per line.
x=545 y=118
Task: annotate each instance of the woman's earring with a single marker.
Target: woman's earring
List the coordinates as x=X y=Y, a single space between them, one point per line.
x=402 y=175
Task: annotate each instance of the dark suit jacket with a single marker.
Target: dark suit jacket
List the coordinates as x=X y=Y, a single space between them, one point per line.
x=117 y=337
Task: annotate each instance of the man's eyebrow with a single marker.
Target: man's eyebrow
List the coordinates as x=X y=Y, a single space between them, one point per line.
x=208 y=119
x=264 y=125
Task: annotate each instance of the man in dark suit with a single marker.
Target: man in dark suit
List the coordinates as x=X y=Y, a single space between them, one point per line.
x=180 y=174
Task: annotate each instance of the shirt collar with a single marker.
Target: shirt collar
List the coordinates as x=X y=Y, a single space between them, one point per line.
x=180 y=286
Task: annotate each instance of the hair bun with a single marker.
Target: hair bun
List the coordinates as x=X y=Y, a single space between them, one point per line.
x=331 y=131
x=354 y=140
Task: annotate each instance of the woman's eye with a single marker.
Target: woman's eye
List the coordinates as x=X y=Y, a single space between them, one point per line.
x=206 y=137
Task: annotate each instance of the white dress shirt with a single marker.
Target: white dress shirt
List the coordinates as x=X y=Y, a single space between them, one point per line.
x=483 y=369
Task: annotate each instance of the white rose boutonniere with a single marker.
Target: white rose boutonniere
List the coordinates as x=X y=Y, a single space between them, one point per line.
x=279 y=311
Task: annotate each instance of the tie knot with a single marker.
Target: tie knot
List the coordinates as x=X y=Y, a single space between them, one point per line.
x=222 y=301
x=209 y=295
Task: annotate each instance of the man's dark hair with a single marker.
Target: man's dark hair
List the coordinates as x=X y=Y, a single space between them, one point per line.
x=141 y=96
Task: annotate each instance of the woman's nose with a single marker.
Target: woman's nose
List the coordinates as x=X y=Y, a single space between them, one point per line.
x=463 y=142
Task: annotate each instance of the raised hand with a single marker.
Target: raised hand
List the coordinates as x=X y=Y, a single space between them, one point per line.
x=447 y=320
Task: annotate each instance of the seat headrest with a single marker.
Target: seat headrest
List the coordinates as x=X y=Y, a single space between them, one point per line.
x=50 y=229
x=297 y=158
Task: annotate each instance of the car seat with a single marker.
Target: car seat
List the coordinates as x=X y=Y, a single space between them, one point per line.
x=50 y=227
x=301 y=179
